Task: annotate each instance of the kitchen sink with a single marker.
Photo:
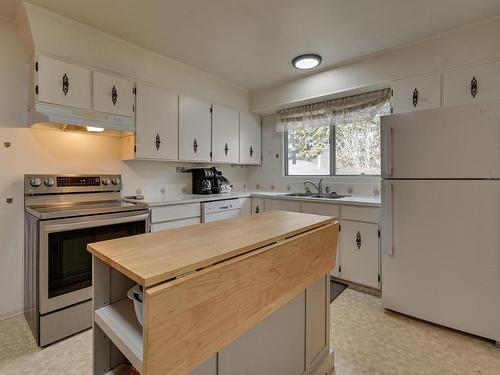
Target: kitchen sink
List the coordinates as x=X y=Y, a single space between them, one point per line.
x=310 y=195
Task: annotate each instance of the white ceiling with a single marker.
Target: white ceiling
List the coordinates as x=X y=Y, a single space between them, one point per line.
x=8 y=8
x=252 y=42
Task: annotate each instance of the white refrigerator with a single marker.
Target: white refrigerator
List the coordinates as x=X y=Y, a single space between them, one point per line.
x=441 y=216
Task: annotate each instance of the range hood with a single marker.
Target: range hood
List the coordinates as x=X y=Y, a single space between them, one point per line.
x=43 y=115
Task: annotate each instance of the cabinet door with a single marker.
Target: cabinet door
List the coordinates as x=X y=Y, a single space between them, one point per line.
x=360 y=253
x=472 y=85
x=113 y=95
x=257 y=205
x=282 y=205
x=250 y=139
x=195 y=123
x=275 y=346
x=63 y=83
x=416 y=93
x=156 y=123
x=245 y=204
x=225 y=135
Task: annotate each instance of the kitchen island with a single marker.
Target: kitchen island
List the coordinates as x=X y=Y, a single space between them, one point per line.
x=240 y=296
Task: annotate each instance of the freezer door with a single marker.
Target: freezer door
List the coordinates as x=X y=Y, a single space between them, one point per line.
x=441 y=252
x=456 y=142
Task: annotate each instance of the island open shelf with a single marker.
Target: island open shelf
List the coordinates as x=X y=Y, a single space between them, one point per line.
x=251 y=291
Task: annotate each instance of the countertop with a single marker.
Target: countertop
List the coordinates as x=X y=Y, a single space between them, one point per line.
x=171 y=199
x=153 y=258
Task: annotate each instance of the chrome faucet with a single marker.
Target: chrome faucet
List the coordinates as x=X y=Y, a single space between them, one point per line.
x=318 y=186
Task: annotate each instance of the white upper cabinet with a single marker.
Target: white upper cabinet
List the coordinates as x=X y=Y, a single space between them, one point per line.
x=156 y=123
x=250 y=139
x=472 y=84
x=62 y=83
x=416 y=93
x=195 y=123
x=225 y=135
x=113 y=95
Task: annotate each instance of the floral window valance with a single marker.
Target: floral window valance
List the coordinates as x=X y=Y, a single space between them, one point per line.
x=363 y=107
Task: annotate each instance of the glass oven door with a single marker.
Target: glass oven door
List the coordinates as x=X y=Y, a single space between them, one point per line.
x=65 y=263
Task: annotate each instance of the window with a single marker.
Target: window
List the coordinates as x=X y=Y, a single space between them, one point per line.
x=346 y=144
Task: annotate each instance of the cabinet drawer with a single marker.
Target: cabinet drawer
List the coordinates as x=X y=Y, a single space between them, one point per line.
x=360 y=213
x=63 y=83
x=174 y=224
x=175 y=212
x=282 y=205
x=113 y=95
x=326 y=209
x=471 y=85
x=426 y=89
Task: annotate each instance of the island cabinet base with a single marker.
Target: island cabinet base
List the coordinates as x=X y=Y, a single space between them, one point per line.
x=264 y=312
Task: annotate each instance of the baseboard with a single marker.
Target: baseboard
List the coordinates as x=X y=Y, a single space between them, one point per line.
x=358 y=287
x=11 y=315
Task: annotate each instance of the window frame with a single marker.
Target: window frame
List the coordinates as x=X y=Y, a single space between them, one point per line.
x=333 y=161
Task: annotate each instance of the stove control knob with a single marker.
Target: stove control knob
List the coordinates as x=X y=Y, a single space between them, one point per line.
x=49 y=181
x=105 y=181
x=115 y=180
x=35 y=182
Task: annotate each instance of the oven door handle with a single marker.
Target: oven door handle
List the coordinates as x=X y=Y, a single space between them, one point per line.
x=94 y=223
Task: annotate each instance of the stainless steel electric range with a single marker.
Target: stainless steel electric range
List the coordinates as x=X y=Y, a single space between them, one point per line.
x=63 y=213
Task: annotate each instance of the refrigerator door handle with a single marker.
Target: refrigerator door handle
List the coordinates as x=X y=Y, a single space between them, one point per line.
x=387 y=151
x=387 y=234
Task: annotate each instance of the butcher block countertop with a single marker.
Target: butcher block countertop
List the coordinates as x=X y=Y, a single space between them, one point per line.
x=153 y=258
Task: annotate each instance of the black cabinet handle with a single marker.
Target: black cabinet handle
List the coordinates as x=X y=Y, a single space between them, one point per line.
x=65 y=84
x=473 y=87
x=195 y=146
x=251 y=151
x=157 y=142
x=415 y=97
x=358 y=240
x=114 y=95
x=226 y=149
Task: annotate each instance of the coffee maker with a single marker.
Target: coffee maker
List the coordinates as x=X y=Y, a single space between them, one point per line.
x=202 y=180
x=209 y=180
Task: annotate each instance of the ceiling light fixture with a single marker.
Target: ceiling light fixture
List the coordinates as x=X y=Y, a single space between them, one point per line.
x=307 y=61
x=94 y=129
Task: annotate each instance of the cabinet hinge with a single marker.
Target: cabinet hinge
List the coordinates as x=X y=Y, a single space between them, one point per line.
x=134 y=91
x=211 y=109
x=392 y=92
x=36 y=89
x=133 y=108
x=340 y=227
x=340 y=268
x=135 y=149
x=210 y=153
x=392 y=110
x=379 y=233
x=378 y=278
x=36 y=66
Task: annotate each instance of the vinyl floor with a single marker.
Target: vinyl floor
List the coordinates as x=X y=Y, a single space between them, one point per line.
x=367 y=341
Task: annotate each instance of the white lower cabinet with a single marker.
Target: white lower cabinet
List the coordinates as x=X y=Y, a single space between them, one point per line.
x=245 y=206
x=209 y=367
x=282 y=205
x=359 y=242
x=175 y=216
x=258 y=205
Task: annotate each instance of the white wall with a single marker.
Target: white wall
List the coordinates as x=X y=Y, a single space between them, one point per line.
x=270 y=176
x=48 y=151
x=472 y=44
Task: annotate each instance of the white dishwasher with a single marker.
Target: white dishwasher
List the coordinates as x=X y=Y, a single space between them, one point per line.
x=220 y=210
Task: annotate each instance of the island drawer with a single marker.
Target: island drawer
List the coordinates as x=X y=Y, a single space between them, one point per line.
x=175 y=212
